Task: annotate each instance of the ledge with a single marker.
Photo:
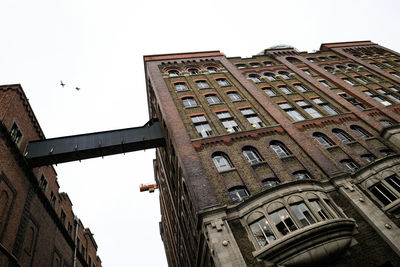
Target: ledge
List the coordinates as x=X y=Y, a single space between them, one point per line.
x=317 y=243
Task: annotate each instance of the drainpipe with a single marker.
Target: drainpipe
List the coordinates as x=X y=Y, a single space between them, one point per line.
x=76 y=238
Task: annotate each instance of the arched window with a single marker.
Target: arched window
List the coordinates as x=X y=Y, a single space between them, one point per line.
x=237 y=194
x=386 y=123
x=193 y=71
x=268 y=63
x=301 y=175
x=330 y=69
x=221 y=161
x=322 y=58
x=173 y=73
x=323 y=139
x=255 y=78
x=270 y=182
x=280 y=149
x=284 y=74
x=189 y=102
x=368 y=158
x=344 y=137
x=251 y=154
x=254 y=64
x=360 y=131
x=234 y=96
x=349 y=165
x=341 y=67
x=270 y=76
x=181 y=86
x=386 y=152
x=212 y=99
x=240 y=66
x=211 y=69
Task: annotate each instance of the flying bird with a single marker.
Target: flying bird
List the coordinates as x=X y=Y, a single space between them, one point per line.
x=62 y=84
x=77 y=88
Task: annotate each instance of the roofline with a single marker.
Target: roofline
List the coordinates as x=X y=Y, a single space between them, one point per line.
x=326 y=46
x=182 y=55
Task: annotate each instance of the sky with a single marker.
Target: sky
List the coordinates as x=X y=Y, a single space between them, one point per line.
x=98 y=46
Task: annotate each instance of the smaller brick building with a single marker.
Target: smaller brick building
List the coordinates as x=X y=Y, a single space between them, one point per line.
x=37 y=224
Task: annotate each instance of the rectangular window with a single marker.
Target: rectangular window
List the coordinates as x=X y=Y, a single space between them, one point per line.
x=325 y=83
x=53 y=199
x=309 y=109
x=15 y=133
x=347 y=80
x=353 y=101
x=262 y=232
x=202 y=126
x=302 y=213
x=202 y=85
x=381 y=192
x=62 y=217
x=228 y=122
x=283 y=222
x=318 y=209
x=43 y=183
x=300 y=87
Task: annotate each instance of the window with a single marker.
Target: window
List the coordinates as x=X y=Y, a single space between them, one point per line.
x=241 y=66
x=289 y=109
x=234 y=96
x=269 y=76
x=330 y=69
x=325 y=83
x=252 y=118
x=193 y=71
x=394 y=88
x=382 y=193
x=283 y=222
x=322 y=58
x=268 y=63
x=254 y=64
x=62 y=217
x=323 y=140
x=202 y=126
x=317 y=207
x=43 y=183
x=344 y=137
x=173 y=73
x=237 y=194
x=300 y=87
x=285 y=89
x=368 y=158
x=347 y=80
x=301 y=175
x=377 y=98
x=361 y=80
x=202 y=84
x=53 y=199
x=386 y=123
x=213 y=99
x=181 y=86
x=279 y=149
x=307 y=71
x=189 y=102
x=269 y=91
x=386 y=152
x=349 y=165
x=325 y=106
x=211 y=69
x=373 y=77
x=284 y=74
x=311 y=59
x=221 y=161
x=395 y=74
x=360 y=131
x=222 y=82
x=394 y=181
x=303 y=214
x=255 y=78
x=228 y=122
x=391 y=96
x=270 y=182
x=353 y=101
x=15 y=133
x=309 y=109
x=251 y=154
x=69 y=228
x=262 y=232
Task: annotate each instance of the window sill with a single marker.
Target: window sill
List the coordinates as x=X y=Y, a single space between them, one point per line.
x=228 y=170
x=392 y=206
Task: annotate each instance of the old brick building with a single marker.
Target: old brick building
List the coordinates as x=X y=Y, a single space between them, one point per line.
x=37 y=224
x=286 y=158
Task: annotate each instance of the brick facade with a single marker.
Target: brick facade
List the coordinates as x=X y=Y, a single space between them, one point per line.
x=304 y=147
x=37 y=224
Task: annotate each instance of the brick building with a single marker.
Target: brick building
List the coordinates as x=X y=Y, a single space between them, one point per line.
x=37 y=223
x=286 y=158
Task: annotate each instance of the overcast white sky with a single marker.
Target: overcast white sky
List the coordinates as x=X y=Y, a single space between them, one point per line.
x=99 y=46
